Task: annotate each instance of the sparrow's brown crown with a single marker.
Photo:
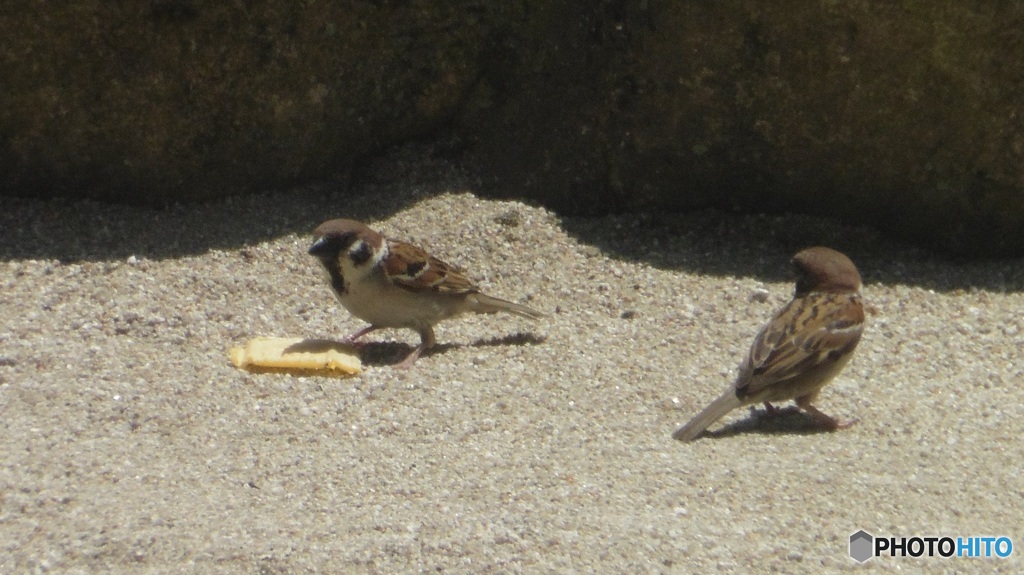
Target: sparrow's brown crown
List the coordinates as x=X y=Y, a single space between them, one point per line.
x=335 y=237
x=821 y=269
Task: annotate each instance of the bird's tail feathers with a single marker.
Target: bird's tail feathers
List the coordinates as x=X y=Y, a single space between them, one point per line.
x=710 y=414
x=486 y=304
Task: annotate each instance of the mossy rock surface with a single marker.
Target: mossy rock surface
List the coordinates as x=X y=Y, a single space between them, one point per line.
x=904 y=116
x=173 y=100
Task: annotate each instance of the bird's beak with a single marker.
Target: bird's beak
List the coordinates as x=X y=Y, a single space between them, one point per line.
x=317 y=249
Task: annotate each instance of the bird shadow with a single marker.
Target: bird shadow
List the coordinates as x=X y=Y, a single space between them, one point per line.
x=391 y=353
x=786 y=421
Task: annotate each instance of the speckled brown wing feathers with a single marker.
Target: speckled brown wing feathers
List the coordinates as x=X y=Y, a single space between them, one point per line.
x=414 y=269
x=807 y=332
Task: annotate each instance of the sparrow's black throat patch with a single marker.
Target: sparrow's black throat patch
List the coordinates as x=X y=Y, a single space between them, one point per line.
x=337 y=280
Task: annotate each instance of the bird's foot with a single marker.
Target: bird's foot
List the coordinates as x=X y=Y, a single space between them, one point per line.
x=351 y=338
x=827 y=421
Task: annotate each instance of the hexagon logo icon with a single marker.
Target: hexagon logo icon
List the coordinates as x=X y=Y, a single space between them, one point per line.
x=861 y=543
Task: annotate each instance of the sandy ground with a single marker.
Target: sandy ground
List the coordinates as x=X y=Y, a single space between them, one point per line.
x=131 y=445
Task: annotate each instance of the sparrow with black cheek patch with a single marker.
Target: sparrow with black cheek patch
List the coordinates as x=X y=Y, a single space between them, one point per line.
x=389 y=283
x=804 y=346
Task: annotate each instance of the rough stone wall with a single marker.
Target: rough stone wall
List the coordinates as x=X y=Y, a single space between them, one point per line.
x=903 y=115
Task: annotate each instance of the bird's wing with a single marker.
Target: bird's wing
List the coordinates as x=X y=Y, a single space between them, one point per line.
x=412 y=268
x=809 y=331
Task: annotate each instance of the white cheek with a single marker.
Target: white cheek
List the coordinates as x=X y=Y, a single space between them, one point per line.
x=380 y=255
x=352 y=272
x=348 y=270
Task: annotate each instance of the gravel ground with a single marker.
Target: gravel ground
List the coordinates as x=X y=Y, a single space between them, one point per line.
x=131 y=445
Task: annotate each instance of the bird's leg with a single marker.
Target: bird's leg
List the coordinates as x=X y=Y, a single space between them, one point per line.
x=427 y=341
x=826 y=421
x=351 y=339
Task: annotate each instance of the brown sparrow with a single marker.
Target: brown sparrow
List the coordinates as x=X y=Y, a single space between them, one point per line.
x=389 y=283
x=804 y=346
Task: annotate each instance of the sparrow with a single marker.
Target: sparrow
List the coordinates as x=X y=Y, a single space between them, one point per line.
x=802 y=348
x=390 y=283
